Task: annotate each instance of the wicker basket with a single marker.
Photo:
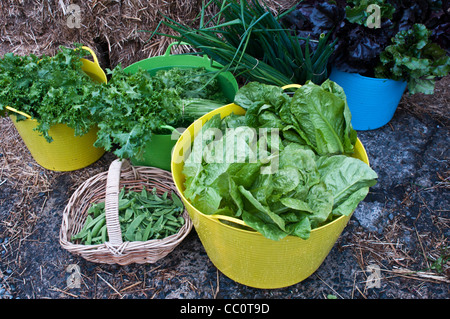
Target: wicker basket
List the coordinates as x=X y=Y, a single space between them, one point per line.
x=106 y=186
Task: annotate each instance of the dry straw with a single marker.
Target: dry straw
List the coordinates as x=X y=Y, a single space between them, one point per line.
x=113 y=29
x=105 y=187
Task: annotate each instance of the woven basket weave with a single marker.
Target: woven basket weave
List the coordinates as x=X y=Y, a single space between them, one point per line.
x=106 y=186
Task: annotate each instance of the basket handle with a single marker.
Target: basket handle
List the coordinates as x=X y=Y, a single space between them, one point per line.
x=112 y=201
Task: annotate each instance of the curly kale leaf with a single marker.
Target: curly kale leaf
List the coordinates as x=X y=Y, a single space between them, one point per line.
x=51 y=89
x=133 y=107
x=130 y=108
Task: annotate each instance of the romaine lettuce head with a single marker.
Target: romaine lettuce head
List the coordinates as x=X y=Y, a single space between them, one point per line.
x=312 y=179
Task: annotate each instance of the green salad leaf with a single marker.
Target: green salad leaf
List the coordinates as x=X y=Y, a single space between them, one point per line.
x=414 y=58
x=317 y=116
x=51 y=89
x=127 y=110
x=348 y=181
x=132 y=107
x=312 y=184
x=356 y=10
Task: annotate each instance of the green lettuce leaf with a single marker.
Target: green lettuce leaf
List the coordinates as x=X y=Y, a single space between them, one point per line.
x=317 y=116
x=307 y=189
x=348 y=179
x=301 y=228
x=414 y=58
x=321 y=116
x=51 y=89
x=261 y=223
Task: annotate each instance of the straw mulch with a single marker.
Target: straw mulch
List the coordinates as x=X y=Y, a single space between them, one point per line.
x=436 y=105
x=112 y=27
x=118 y=31
x=22 y=181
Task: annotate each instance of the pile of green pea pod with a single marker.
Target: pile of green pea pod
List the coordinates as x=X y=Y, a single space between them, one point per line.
x=143 y=216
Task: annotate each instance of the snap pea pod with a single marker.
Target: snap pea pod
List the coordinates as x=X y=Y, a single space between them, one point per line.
x=163 y=211
x=90 y=222
x=159 y=224
x=98 y=226
x=104 y=234
x=148 y=232
x=138 y=236
x=170 y=228
x=128 y=214
x=96 y=209
x=174 y=223
x=143 y=216
x=83 y=232
x=89 y=238
x=177 y=201
x=171 y=217
x=131 y=230
x=125 y=203
x=96 y=220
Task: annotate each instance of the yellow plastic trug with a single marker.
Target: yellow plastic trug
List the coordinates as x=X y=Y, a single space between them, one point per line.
x=246 y=256
x=66 y=152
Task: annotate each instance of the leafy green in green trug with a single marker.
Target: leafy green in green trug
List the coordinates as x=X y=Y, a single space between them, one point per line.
x=225 y=169
x=412 y=57
x=51 y=89
x=132 y=107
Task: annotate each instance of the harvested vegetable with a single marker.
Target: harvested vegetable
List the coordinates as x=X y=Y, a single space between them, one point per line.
x=250 y=40
x=314 y=180
x=142 y=215
x=359 y=47
x=317 y=116
x=413 y=57
x=52 y=89
x=128 y=109
x=132 y=107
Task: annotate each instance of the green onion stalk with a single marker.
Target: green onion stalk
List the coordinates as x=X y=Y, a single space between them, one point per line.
x=250 y=41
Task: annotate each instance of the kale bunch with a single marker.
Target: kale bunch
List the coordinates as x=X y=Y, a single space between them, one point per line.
x=130 y=108
x=51 y=89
